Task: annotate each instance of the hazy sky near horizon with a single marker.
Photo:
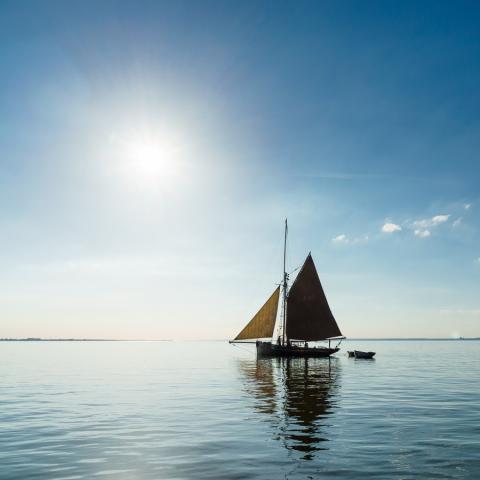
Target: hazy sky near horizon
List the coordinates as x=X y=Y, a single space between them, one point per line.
x=150 y=151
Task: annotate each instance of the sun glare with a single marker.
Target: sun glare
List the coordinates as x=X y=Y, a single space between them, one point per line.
x=148 y=159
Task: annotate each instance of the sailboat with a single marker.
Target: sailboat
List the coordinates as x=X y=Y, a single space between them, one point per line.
x=305 y=317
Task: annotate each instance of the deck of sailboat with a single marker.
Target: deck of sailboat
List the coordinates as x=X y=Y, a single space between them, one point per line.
x=268 y=349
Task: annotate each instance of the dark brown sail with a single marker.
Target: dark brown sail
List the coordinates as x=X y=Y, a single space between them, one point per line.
x=308 y=315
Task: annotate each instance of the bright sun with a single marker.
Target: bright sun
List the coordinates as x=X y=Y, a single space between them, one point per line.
x=149 y=159
x=146 y=159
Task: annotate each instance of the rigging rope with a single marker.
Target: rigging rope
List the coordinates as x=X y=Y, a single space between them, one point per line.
x=295 y=269
x=243 y=348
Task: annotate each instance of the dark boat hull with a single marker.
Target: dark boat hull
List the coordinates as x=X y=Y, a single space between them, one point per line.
x=266 y=349
x=360 y=354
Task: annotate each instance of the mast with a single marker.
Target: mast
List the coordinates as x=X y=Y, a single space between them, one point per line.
x=285 y=279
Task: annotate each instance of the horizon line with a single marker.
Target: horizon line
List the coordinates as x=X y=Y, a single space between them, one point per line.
x=40 y=339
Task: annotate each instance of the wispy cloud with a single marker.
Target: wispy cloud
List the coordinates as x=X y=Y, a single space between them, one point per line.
x=342 y=238
x=420 y=227
x=440 y=219
x=389 y=227
x=431 y=222
x=457 y=222
x=344 y=176
x=422 y=233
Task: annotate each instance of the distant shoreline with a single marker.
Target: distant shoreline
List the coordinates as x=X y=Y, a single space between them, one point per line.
x=34 y=339
x=416 y=339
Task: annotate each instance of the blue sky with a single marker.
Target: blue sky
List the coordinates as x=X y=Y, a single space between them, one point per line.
x=150 y=151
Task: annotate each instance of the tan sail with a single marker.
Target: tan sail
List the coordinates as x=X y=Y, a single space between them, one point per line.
x=308 y=315
x=263 y=323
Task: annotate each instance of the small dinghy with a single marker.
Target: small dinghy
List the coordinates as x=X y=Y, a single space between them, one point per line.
x=360 y=354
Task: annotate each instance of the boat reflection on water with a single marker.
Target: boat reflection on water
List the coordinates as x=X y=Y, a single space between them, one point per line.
x=297 y=395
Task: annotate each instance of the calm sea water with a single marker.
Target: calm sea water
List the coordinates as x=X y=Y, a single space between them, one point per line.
x=161 y=410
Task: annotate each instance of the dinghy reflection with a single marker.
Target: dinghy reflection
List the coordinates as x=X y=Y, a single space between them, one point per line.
x=296 y=396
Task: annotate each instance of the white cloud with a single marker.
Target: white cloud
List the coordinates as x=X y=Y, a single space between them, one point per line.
x=440 y=219
x=340 y=239
x=391 y=228
x=422 y=223
x=431 y=222
x=467 y=206
x=457 y=222
x=422 y=233
x=357 y=240
x=344 y=239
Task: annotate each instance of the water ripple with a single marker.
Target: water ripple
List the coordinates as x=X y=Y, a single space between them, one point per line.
x=132 y=410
